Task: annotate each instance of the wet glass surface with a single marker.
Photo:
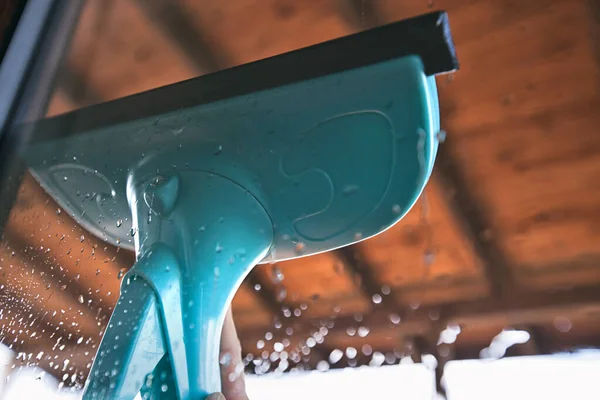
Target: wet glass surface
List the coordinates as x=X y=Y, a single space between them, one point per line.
x=497 y=261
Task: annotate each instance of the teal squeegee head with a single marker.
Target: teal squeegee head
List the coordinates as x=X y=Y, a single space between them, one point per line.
x=286 y=157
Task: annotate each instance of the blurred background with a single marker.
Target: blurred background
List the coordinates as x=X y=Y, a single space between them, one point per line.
x=500 y=257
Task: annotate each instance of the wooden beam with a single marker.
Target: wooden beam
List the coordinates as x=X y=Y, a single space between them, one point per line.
x=175 y=22
x=266 y=295
x=359 y=268
x=473 y=222
x=594 y=13
x=520 y=309
x=75 y=87
x=360 y=14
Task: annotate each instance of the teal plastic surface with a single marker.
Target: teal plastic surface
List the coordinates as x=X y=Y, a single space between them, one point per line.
x=206 y=192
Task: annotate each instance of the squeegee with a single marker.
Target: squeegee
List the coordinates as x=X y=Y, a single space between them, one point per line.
x=285 y=157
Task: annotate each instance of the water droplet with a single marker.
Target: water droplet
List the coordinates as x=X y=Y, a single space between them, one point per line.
x=311 y=342
x=394 y=318
x=269 y=336
x=219 y=150
x=349 y=190
x=351 y=331
x=396 y=209
x=351 y=352
x=276 y=275
x=119 y=223
x=81 y=238
x=414 y=305
x=118 y=240
x=377 y=298
x=65 y=178
x=281 y=294
x=257 y=287
x=363 y=331
x=260 y=344
x=335 y=356
x=367 y=350
x=434 y=315
x=278 y=347
x=164 y=387
x=562 y=324
x=218 y=248
x=428 y=257
x=299 y=248
x=120 y=274
x=81 y=299
x=385 y=290
x=58 y=211
x=377 y=359
x=322 y=366
x=132 y=232
x=441 y=136
x=225 y=359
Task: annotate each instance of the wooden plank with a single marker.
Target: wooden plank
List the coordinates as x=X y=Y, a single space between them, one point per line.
x=250 y=30
x=427 y=246
x=360 y=270
x=176 y=22
x=120 y=51
x=520 y=309
x=513 y=136
x=473 y=223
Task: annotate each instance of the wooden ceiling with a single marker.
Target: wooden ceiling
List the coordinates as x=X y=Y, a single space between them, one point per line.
x=507 y=234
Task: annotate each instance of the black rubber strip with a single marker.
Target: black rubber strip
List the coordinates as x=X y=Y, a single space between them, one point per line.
x=427 y=36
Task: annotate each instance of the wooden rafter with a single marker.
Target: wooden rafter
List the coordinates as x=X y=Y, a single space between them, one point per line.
x=176 y=24
x=472 y=220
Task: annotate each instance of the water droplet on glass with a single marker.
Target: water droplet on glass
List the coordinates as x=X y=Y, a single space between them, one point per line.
x=278 y=347
x=335 y=356
x=377 y=298
x=363 y=331
x=441 y=136
x=58 y=211
x=120 y=274
x=257 y=287
x=322 y=366
x=269 y=336
x=281 y=294
x=385 y=290
x=358 y=236
x=351 y=352
x=164 y=387
x=367 y=350
x=219 y=150
x=65 y=178
x=260 y=344
x=119 y=223
x=81 y=299
x=299 y=248
x=276 y=275
x=396 y=209
x=351 y=331
x=225 y=359
x=394 y=319
x=377 y=359
x=562 y=324
x=414 y=305
x=219 y=248
x=350 y=190
x=81 y=238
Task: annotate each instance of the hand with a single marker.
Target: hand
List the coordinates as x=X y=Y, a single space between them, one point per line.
x=232 y=381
